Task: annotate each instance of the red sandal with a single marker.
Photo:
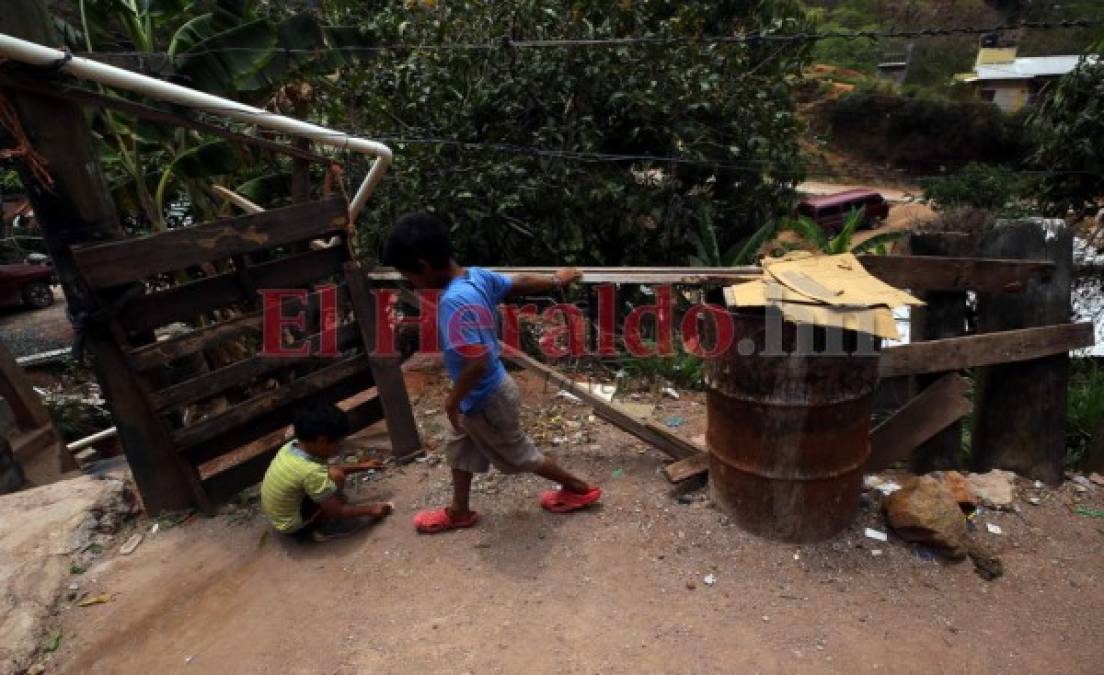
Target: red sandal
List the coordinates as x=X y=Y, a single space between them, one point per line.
x=562 y=501
x=440 y=520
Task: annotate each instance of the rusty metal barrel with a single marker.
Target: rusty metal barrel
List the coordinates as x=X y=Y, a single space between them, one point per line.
x=788 y=425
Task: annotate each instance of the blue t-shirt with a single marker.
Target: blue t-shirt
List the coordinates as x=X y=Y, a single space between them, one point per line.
x=466 y=323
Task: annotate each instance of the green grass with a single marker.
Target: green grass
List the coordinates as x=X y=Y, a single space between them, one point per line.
x=1084 y=408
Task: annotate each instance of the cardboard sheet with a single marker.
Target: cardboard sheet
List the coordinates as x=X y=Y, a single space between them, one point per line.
x=838 y=280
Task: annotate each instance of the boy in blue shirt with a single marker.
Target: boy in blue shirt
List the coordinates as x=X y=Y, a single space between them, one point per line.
x=483 y=406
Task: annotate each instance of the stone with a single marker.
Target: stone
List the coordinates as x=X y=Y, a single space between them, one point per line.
x=925 y=511
x=40 y=529
x=960 y=488
x=995 y=489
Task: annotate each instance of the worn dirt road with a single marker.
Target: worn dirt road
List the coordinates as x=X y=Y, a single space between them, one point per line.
x=619 y=589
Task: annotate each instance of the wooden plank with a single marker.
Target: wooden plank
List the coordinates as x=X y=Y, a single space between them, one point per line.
x=16 y=389
x=243 y=412
x=685 y=469
x=187 y=301
x=163 y=351
x=937 y=407
x=245 y=371
x=930 y=273
x=406 y=443
x=119 y=262
x=1020 y=425
x=913 y=272
x=272 y=410
x=987 y=349
x=942 y=316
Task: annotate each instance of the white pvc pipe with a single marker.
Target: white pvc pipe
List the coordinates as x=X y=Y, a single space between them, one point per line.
x=82 y=443
x=38 y=55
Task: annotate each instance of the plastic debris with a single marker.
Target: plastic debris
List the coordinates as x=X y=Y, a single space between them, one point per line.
x=876 y=534
x=568 y=396
x=875 y=552
x=886 y=487
x=675 y=421
x=993 y=529
x=1034 y=500
x=156 y=528
x=670 y=393
x=709 y=580
x=617 y=473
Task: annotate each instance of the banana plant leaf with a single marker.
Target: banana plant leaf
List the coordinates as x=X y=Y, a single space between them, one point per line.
x=266 y=190
x=215 y=158
x=298 y=41
x=220 y=63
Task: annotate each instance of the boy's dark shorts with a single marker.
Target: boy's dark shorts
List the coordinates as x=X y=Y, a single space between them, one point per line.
x=493 y=435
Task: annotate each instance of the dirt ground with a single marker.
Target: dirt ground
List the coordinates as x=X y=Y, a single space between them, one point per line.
x=618 y=589
x=30 y=331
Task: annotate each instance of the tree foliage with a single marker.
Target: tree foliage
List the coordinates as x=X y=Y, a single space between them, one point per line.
x=533 y=197
x=1069 y=132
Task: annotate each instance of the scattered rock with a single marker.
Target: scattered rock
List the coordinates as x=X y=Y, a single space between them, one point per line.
x=131 y=544
x=925 y=511
x=1082 y=482
x=995 y=489
x=1097 y=478
x=709 y=579
x=993 y=528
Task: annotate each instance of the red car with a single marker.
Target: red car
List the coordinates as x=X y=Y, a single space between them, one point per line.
x=28 y=285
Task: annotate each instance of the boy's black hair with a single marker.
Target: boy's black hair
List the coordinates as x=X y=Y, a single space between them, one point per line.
x=313 y=420
x=418 y=236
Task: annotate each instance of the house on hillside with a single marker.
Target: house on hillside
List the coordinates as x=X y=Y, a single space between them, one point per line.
x=1010 y=81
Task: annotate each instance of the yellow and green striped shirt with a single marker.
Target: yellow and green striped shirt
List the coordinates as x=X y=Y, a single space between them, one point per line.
x=293 y=475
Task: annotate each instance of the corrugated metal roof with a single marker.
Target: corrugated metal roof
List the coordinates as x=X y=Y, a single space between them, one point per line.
x=1027 y=67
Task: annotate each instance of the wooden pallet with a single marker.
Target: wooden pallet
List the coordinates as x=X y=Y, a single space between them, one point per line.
x=208 y=394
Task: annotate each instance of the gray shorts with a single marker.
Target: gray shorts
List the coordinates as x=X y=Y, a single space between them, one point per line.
x=493 y=435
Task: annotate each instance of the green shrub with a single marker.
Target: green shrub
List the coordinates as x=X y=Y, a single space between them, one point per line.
x=984 y=186
x=1084 y=407
x=925 y=132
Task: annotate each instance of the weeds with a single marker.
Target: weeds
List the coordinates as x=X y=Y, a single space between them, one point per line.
x=1084 y=408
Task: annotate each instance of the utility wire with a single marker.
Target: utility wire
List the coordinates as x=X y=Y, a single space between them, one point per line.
x=506 y=42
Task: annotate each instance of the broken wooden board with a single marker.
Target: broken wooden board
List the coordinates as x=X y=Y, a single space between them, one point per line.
x=934 y=409
x=972 y=351
x=685 y=469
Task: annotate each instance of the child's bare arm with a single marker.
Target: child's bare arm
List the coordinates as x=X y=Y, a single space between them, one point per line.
x=528 y=284
x=334 y=508
x=474 y=369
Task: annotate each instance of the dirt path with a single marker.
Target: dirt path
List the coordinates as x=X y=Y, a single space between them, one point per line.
x=605 y=591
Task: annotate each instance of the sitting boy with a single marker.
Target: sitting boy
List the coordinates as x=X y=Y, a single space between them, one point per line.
x=483 y=405
x=301 y=494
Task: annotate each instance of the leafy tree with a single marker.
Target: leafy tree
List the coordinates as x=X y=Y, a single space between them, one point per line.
x=1069 y=131
x=539 y=194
